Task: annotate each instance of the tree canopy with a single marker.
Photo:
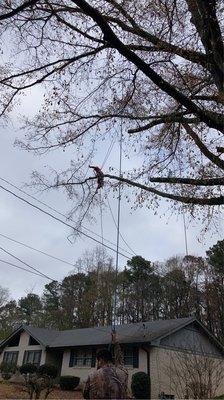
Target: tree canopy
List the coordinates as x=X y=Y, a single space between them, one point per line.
x=157 y=66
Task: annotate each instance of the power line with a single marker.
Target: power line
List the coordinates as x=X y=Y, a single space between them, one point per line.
x=60 y=220
x=24 y=269
x=61 y=214
x=37 y=250
x=185 y=234
x=28 y=265
x=122 y=237
x=109 y=151
x=113 y=141
x=118 y=227
x=101 y=217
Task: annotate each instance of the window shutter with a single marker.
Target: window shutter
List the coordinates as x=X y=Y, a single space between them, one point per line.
x=15 y=357
x=72 y=358
x=135 y=357
x=25 y=357
x=37 y=357
x=93 y=362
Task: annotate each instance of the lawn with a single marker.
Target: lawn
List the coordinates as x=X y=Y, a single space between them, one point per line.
x=16 y=391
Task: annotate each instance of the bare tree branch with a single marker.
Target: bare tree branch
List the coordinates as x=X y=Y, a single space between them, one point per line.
x=205 y=20
x=111 y=38
x=17 y=10
x=189 y=181
x=211 y=156
x=183 y=199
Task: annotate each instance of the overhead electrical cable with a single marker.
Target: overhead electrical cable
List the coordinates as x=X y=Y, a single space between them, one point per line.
x=162 y=275
x=122 y=237
x=118 y=229
x=185 y=234
x=61 y=221
x=23 y=269
x=61 y=214
x=37 y=250
x=110 y=148
x=25 y=263
x=101 y=217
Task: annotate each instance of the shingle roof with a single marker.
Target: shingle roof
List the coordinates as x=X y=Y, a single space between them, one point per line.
x=143 y=332
x=42 y=335
x=129 y=333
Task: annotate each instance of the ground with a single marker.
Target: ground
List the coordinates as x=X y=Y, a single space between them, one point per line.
x=16 y=391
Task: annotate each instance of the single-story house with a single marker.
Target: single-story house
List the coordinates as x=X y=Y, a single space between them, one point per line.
x=160 y=348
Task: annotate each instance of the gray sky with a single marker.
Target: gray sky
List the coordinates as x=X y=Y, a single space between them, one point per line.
x=149 y=235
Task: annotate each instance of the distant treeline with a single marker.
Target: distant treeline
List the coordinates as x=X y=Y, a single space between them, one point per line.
x=179 y=287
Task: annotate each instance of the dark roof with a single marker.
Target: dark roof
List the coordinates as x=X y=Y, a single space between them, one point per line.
x=42 y=335
x=143 y=332
x=128 y=333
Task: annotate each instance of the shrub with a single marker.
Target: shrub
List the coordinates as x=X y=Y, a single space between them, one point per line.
x=49 y=370
x=140 y=385
x=28 y=369
x=7 y=370
x=69 y=382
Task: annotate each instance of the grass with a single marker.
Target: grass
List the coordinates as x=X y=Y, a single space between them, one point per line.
x=16 y=391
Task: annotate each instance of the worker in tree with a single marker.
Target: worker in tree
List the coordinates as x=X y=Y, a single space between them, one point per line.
x=99 y=175
x=109 y=381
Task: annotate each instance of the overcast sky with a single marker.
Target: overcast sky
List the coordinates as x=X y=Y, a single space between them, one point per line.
x=149 y=235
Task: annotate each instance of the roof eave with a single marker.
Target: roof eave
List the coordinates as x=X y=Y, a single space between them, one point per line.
x=20 y=328
x=3 y=343
x=170 y=332
x=211 y=336
x=26 y=328
x=139 y=343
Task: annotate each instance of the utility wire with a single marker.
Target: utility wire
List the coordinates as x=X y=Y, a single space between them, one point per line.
x=37 y=250
x=122 y=237
x=24 y=269
x=61 y=214
x=118 y=229
x=105 y=159
x=60 y=220
x=101 y=217
x=185 y=234
x=28 y=265
x=109 y=151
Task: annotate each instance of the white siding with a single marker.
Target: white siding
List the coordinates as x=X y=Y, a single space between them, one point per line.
x=162 y=364
x=83 y=372
x=23 y=346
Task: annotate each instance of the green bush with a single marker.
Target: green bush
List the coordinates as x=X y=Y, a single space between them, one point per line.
x=28 y=369
x=140 y=385
x=49 y=370
x=7 y=370
x=69 y=382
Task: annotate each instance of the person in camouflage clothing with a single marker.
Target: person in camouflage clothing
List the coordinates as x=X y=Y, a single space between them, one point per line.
x=108 y=381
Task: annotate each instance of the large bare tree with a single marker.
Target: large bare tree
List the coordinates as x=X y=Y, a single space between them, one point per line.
x=157 y=66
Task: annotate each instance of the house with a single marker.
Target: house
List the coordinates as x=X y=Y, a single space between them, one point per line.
x=155 y=347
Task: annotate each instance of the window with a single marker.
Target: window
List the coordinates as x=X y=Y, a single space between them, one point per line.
x=128 y=357
x=82 y=358
x=10 y=357
x=14 y=341
x=33 y=342
x=131 y=357
x=32 y=357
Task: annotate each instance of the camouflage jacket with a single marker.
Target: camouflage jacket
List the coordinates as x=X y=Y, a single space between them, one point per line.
x=108 y=382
